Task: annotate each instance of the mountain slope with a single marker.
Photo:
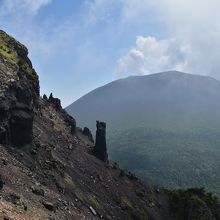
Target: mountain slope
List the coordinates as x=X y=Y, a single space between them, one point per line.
x=141 y=97
x=165 y=126
x=49 y=169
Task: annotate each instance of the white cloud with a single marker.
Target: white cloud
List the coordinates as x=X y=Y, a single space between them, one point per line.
x=31 y=7
x=137 y=54
x=196 y=23
x=152 y=55
x=192 y=39
x=100 y=10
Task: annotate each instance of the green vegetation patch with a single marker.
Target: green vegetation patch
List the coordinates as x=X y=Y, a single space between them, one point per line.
x=194 y=204
x=8 y=53
x=29 y=71
x=80 y=196
x=126 y=204
x=69 y=183
x=140 y=194
x=95 y=202
x=135 y=211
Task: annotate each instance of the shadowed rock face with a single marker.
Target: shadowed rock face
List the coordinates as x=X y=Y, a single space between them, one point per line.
x=19 y=92
x=3 y=134
x=21 y=124
x=16 y=128
x=100 y=150
x=70 y=121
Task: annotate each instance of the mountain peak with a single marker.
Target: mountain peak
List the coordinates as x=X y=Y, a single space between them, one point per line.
x=173 y=74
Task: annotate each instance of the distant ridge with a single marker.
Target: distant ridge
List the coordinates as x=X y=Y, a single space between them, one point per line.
x=141 y=94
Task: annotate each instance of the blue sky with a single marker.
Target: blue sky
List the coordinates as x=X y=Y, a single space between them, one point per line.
x=78 y=45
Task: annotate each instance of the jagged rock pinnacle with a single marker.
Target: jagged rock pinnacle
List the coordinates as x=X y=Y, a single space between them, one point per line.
x=100 y=149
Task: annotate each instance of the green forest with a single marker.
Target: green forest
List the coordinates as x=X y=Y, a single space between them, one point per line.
x=168 y=158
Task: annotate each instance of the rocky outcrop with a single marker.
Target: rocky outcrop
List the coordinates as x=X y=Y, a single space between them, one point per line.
x=19 y=92
x=70 y=121
x=86 y=131
x=55 y=101
x=100 y=149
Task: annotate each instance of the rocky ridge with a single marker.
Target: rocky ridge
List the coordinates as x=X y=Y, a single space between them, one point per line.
x=50 y=169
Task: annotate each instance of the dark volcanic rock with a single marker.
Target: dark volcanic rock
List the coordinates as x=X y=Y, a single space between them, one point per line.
x=38 y=191
x=86 y=131
x=100 y=150
x=16 y=123
x=45 y=97
x=1 y=183
x=48 y=205
x=70 y=121
x=19 y=93
x=55 y=101
x=21 y=124
x=56 y=104
x=4 y=134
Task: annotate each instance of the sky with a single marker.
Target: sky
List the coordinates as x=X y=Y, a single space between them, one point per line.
x=78 y=45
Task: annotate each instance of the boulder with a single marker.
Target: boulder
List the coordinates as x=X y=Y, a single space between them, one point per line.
x=48 y=205
x=37 y=191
